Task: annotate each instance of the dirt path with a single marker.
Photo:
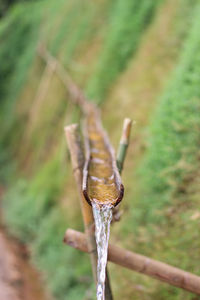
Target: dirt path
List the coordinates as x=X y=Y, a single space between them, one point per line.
x=18 y=279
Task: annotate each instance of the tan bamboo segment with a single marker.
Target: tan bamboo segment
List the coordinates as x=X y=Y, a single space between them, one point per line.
x=101 y=179
x=77 y=158
x=124 y=143
x=140 y=263
x=121 y=155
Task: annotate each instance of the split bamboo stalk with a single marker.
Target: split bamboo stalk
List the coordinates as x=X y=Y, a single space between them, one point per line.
x=77 y=158
x=121 y=155
x=140 y=263
x=123 y=145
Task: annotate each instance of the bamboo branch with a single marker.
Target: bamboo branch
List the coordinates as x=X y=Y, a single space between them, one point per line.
x=121 y=154
x=77 y=158
x=76 y=94
x=123 y=145
x=140 y=263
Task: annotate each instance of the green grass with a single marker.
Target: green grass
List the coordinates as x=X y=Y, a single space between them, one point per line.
x=18 y=37
x=162 y=217
x=34 y=216
x=127 y=23
x=174 y=135
x=39 y=222
x=32 y=206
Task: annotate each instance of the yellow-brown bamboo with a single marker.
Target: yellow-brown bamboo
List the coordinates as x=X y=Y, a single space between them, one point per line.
x=77 y=158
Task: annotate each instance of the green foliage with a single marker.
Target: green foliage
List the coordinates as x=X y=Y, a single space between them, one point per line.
x=174 y=141
x=18 y=37
x=32 y=209
x=18 y=48
x=34 y=218
x=162 y=217
x=68 y=271
x=5 y=6
x=74 y=29
x=32 y=214
x=128 y=21
x=33 y=200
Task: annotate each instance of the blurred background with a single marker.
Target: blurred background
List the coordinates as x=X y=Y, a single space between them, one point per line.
x=136 y=59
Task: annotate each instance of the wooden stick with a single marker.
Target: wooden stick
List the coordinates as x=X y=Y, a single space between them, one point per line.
x=123 y=145
x=140 y=263
x=77 y=158
x=76 y=94
x=93 y=131
x=121 y=155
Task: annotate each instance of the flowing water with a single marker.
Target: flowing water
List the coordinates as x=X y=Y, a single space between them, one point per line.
x=103 y=217
x=102 y=188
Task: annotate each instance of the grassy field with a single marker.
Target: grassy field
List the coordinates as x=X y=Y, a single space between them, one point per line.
x=122 y=54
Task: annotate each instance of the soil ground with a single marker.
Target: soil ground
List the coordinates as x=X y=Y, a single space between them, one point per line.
x=18 y=279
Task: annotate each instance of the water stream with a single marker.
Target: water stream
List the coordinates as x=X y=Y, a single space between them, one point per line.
x=103 y=217
x=102 y=188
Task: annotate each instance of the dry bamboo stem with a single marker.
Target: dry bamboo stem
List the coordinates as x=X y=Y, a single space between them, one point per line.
x=121 y=155
x=77 y=158
x=140 y=263
x=76 y=94
x=123 y=145
x=40 y=96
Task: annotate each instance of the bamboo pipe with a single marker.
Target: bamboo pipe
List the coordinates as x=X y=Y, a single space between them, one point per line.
x=140 y=263
x=77 y=158
x=101 y=180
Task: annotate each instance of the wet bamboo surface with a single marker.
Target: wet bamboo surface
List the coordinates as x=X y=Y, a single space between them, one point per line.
x=101 y=179
x=140 y=263
x=77 y=158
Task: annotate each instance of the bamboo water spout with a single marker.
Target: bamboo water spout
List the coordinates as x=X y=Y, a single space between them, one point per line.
x=102 y=187
x=101 y=180
x=77 y=158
